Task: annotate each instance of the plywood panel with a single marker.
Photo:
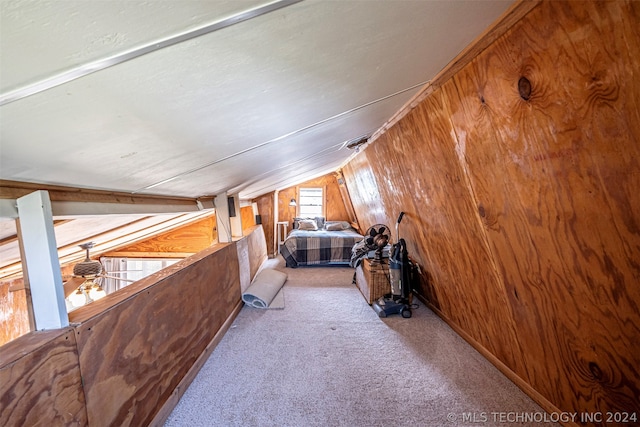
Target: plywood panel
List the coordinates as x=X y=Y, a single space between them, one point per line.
x=189 y=238
x=566 y=245
x=364 y=190
x=133 y=355
x=522 y=202
x=30 y=395
x=266 y=211
x=15 y=314
x=421 y=176
x=247 y=217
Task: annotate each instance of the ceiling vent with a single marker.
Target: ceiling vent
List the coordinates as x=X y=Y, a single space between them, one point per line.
x=356 y=143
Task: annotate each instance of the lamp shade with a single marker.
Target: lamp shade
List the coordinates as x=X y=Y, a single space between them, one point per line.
x=293 y=202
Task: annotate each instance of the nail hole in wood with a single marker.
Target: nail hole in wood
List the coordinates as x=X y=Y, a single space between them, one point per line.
x=524 y=88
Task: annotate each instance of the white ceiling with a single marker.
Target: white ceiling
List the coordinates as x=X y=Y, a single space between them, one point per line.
x=248 y=108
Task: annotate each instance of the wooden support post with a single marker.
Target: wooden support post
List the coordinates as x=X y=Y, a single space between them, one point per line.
x=40 y=263
x=223 y=222
x=235 y=218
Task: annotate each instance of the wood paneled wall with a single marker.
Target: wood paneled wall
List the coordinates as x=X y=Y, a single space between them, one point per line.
x=133 y=347
x=266 y=211
x=15 y=313
x=40 y=381
x=519 y=177
x=247 y=217
x=149 y=344
x=182 y=241
x=334 y=205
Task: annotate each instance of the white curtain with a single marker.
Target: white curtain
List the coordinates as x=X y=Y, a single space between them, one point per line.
x=111 y=267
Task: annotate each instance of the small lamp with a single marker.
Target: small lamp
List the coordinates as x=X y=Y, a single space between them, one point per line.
x=293 y=202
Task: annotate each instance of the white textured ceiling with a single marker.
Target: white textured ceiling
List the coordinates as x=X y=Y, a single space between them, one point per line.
x=249 y=108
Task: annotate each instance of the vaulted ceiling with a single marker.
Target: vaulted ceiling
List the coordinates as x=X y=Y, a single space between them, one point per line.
x=194 y=98
x=200 y=97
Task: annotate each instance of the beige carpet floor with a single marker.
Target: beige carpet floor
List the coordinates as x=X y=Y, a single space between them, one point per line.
x=328 y=360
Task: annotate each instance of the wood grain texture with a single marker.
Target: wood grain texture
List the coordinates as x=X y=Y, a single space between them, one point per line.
x=566 y=245
x=440 y=223
x=30 y=395
x=346 y=200
x=266 y=211
x=522 y=202
x=133 y=355
x=135 y=348
x=167 y=408
x=57 y=193
x=189 y=238
x=15 y=313
x=514 y=14
x=247 y=217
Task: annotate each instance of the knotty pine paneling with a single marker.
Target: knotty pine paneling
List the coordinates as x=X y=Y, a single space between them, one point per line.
x=522 y=202
x=133 y=355
x=27 y=365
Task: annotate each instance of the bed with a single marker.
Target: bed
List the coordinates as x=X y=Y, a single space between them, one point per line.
x=319 y=247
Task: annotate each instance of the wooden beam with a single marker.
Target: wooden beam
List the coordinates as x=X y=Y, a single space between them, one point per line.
x=127 y=254
x=72 y=201
x=223 y=220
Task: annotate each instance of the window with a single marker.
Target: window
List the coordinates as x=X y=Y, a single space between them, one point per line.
x=310 y=202
x=130 y=269
x=142 y=267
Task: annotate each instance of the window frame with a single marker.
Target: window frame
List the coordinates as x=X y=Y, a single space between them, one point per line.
x=323 y=197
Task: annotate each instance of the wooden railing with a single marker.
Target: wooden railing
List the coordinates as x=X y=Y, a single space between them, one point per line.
x=127 y=358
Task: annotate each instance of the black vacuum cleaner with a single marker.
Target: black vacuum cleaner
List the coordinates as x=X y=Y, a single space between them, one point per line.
x=397 y=302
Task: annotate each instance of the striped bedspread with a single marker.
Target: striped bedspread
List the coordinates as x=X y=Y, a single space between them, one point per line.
x=319 y=247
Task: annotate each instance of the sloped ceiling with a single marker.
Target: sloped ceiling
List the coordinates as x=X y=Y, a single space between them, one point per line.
x=194 y=98
x=107 y=231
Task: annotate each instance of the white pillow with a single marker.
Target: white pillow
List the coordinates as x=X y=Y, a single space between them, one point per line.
x=334 y=226
x=337 y=225
x=307 y=224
